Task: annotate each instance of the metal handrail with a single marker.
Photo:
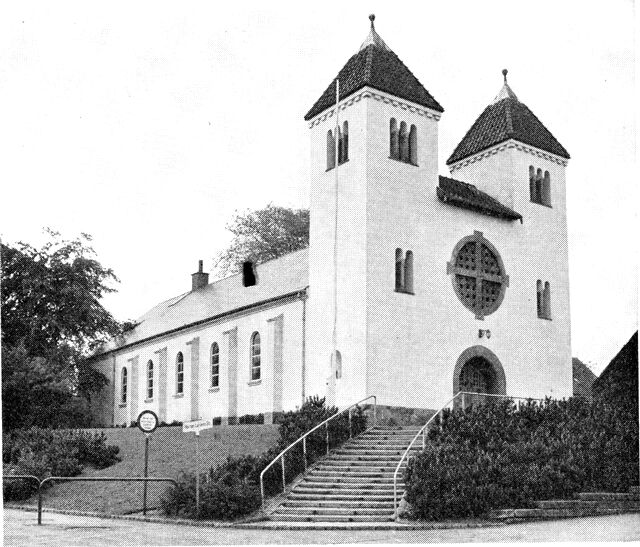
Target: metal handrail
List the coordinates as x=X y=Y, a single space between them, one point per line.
x=304 y=442
x=425 y=426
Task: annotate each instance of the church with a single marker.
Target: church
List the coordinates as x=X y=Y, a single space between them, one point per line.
x=415 y=285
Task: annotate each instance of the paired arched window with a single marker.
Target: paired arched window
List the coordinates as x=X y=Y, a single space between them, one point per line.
x=150 y=380
x=255 y=356
x=179 y=373
x=215 y=365
x=404 y=271
x=539 y=186
x=403 y=142
x=543 y=299
x=123 y=385
x=342 y=148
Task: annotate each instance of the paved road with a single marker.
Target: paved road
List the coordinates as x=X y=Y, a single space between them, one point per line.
x=20 y=529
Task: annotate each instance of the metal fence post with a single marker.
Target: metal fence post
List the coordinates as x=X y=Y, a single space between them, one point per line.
x=350 y=433
x=39 y=503
x=146 y=473
x=284 y=480
x=304 y=452
x=327 y=426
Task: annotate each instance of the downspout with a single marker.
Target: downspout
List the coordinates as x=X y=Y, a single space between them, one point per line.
x=113 y=392
x=303 y=297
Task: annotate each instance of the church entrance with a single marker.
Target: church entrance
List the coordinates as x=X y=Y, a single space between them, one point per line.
x=478 y=370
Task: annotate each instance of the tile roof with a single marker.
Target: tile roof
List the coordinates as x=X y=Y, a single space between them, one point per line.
x=276 y=278
x=504 y=119
x=467 y=196
x=378 y=67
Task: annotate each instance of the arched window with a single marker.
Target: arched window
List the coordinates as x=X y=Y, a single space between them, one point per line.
x=179 y=373
x=337 y=365
x=408 y=272
x=532 y=183
x=403 y=139
x=539 y=298
x=538 y=186
x=344 y=144
x=394 y=150
x=123 y=385
x=331 y=151
x=546 y=300
x=399 y=270
x=546 y=189
x=150 y=380
x=339 y=151
x=413 y=145
x=215 y=365
x=255 y=356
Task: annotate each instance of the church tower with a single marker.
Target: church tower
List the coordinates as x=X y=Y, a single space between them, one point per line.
x=370 y=160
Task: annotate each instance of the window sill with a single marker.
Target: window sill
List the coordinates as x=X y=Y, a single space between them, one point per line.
x=214 y=389
x=539 y=203
x=254 y=382
x=545 y=318
x=149 y=400
x=122 y=405
x=178 y=395
x=403 y=291
x=402 y=161
x=332 y=168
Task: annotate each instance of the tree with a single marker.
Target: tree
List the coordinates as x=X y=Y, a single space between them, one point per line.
x=264 y=234
x=52 y=319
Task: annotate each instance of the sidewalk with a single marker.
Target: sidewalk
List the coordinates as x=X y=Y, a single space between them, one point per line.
x=20 y=529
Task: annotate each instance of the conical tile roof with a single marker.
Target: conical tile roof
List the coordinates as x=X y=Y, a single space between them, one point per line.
x=506 y=118
x=376 y=66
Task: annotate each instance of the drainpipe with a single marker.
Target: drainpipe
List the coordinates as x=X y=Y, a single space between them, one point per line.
x=113 y=392
x=303 y=297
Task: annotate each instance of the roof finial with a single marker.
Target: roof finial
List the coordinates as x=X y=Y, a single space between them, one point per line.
x=504 y=73
x=372 y=18
x=374 y=38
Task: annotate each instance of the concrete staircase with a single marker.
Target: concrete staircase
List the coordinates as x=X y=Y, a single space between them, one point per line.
x=354 y=483
x=584 y=504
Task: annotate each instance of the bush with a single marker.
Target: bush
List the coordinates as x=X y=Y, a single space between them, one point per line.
x=49 y=452
x=232 y=489
x=496 y=456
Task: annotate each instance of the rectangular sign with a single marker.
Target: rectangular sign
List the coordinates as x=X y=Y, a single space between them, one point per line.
x=196 y=426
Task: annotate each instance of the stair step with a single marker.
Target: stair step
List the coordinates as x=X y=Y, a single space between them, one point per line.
x=331 y=518
x=346 y=511
x=357 y=492
x=356 y=504
x=333 y=496
x=587 y=504
x=607 y=496
x=327 y=464
x=352 y=473
x=353 y=480
x=558 y=513
x=310 y=483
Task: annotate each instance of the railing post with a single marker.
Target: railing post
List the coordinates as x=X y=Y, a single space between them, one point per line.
x=284 y=480
x=262 y=491
x=350 y=433
x=375 y=411
x=304 y=452
x=327 y=426
x=39 y=502
x=464 y=401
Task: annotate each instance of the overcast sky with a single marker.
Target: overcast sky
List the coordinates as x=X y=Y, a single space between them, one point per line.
x=147 y=124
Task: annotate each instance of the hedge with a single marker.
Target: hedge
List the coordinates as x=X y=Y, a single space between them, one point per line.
x=51 y=452
x=232 y=489
x=498 y=456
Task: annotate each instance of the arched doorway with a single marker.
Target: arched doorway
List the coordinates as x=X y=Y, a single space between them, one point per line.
x=478 y=370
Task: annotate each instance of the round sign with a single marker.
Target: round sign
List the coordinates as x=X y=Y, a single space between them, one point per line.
x=147 y=421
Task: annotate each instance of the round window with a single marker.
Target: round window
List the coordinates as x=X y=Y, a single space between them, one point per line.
x=478 y=275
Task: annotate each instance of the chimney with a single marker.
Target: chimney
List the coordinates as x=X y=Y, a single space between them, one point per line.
x=248 y=273
x=199 y=279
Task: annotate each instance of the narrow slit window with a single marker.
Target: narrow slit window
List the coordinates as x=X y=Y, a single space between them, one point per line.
x=546 y=189
x=539 y=298
x=255 y=356
x=399 y=270
x=394 y=150
x=331 y=151
x=532 y=183
x=123 y=385
x=403 y=139
x=179 y=373
x=344 y=143
x=413 y=145
x=408 y=272
x=546 y=300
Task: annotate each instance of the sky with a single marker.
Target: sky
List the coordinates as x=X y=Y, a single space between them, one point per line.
x=148 y=124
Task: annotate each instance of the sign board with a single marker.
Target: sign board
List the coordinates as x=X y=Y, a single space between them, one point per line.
x=196 y=426
x=147 y=421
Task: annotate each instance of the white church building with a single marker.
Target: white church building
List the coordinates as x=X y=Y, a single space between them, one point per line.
x=415 y=285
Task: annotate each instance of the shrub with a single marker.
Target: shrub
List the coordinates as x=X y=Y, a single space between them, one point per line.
x=49 y=452
x=496 y=455
x=233 y=488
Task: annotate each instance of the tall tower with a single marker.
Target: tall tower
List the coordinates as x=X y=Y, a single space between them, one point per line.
x=366 y=199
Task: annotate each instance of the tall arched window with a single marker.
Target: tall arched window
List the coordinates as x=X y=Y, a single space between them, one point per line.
x=150 y=380
x=408 y=272
x=344 y=143
x=532 y=183
x=399 y=270
x=403 y=139
x=394 y=149
x=538 y=186
x=123 y=385
x=331 y=151
x=413 y=145
x=546 y=300
x=255 y=356
x=215 y=365
x=179 y=373
x=546 y=189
